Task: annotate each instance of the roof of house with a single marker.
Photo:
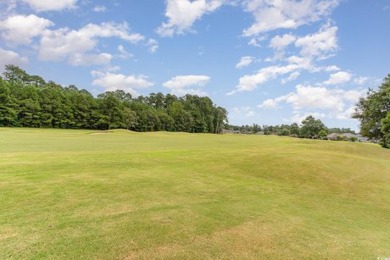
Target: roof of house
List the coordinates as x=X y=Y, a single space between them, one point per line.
x=349 y=135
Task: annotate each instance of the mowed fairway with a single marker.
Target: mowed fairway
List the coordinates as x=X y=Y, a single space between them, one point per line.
x=87 y=194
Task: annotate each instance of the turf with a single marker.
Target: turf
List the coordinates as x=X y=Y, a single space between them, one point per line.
x=67 y=194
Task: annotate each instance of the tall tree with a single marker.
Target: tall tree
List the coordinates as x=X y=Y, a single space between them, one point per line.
x=111 y=109
x=311 y=127
x=220 y=119
x=15 y=74
x=372 y=109
x=294 y=130
x=29 y=108
x=7 y=105
x=385 y=127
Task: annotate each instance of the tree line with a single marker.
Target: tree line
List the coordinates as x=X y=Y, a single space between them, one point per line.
x=293 y=129
x=29 y=101
x=310 y=128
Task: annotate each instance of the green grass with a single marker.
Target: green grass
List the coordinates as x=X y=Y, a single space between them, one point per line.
x=87 y=194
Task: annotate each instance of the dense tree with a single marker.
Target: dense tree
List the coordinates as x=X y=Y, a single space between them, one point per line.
x=372 y=110
x=385 y=127
x=220 y=119
x=183 y=119
x=29 y=106
x=166 y=121
x=110 y=109
x=129 y=118
x=29 y=101
x=14 y=74
x=156 y=101
x=311 y=128
x=7 y=105
x=294 y=130
x=82 y=103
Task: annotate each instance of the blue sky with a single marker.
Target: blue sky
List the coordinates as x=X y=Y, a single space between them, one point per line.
x=266 y=61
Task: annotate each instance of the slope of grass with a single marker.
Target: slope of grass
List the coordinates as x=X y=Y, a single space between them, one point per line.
x=108 y=195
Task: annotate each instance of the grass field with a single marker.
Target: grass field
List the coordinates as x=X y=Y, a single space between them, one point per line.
x=87 y=194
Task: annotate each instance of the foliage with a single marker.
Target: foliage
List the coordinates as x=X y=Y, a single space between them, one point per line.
x=372 y=110
x=340 y=130
x=385 y=127
x=311 y=128
x=29 y=101
x=245 y=129
x=322 y=134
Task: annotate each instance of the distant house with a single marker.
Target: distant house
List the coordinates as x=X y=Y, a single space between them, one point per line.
x=362 y=138
x=230 y=131
x=227 y=131
x=346 y=137
x=332 y=136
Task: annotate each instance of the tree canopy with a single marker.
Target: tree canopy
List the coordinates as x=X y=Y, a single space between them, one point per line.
x=29 y=101
x=313 y=128
x=372 y=111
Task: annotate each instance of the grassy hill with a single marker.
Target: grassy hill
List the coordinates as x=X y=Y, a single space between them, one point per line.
x=87 y=194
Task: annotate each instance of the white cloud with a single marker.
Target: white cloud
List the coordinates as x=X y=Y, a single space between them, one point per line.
x=287 y=14
x=315 y=98
x=153 y=45
x=183 y=13
x=20 y=29
x=78 y=47
x=113 y=81
x=123 y=54
x=245 y=111
x=333 y=101
x=250 y=114
x=251 y=82
x=100 y=9
x=269 y=103
x=106 y=30
x=320 y=44
x=299 y=117
x=245 y=61
x=338 y=78
x=187 y=84
x=347 y=114
x=178 y=82
x=291 y=77
x=313 y=46
x=360 y=80
x=50 y=5
x=81 y=59
x=332 y=68
x=63 y=43
x=280 y=42
x=253 y=42
x=302 y=62
x=8 y=7
x=10 y=57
